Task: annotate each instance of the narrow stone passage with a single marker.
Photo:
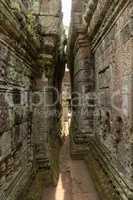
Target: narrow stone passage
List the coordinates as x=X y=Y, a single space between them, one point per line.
x=74 y=181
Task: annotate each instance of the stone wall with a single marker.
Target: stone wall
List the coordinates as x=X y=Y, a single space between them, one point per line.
x=113 y=62
x=66 y=102
x=81 y=63
x=29 y=55
x=108 y=27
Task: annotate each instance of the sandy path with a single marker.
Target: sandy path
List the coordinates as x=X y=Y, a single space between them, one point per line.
x=74 y=181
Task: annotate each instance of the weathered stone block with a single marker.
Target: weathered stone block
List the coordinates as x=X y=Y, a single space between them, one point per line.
x=5 y=142
x=49 y=25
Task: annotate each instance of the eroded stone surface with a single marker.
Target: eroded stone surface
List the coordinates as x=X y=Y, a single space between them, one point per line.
x=28 y=65
x=107 y=27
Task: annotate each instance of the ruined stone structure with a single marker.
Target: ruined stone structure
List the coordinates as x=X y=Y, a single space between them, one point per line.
x=100 y=59
x=31 y=64
x=66 y=101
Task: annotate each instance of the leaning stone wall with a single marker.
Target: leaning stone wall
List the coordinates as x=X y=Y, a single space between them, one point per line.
x=81 y=63
x=108 y=27
x=48 y=84
x=17 y=46
x=112 y=47
x=30 y=43
x=113 y=62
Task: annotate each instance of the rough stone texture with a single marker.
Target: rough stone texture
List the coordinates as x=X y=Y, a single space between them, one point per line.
x=66 y=102
x=30 y=51
x=82 y=76
x=114 y=72
x=108 y=27
x=32 y=66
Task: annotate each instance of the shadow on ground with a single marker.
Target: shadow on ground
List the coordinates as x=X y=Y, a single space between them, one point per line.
x=63 y=190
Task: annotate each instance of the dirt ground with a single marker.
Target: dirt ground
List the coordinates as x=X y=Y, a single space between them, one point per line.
x=74 y=181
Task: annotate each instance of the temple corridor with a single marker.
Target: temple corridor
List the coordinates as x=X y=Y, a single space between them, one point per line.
x=66 y=99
